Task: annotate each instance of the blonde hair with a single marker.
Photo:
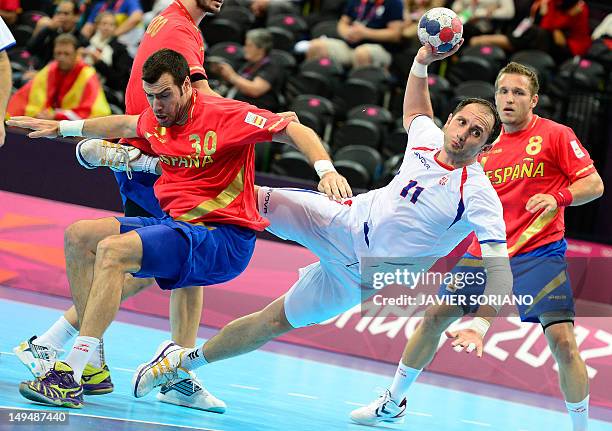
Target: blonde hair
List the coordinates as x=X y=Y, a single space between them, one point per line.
x=521 y=69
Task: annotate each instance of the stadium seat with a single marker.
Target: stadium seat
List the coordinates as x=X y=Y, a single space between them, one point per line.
x=283 y=59
x=22 y=34
x=292 y=22
x=325 y=28
x=31 y=17
x=222 y=30
x=357 y=132
x=317 y=76
x=355 y=91
x=373 y=113
x=367 y=157
x=540 y=61
x=239 y=14
x=283 y=38
x=581 y=74
x=293 y=164
x=315 y=111
x=231 y=52
x=356 y=175
x=440 y=93
x=472 y=68
x=493 y=54
x=484 y=90
x=389 y=170
x=545 y=107
x=396 y=141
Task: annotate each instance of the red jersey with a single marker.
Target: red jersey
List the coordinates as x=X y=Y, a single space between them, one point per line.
x=208 y=164
x=576 y=28
x=542 y=158
x=173 y=28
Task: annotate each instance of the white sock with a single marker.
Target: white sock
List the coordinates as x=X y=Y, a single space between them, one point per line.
x=579 y=413
x=82 y=350
x=193 y=358
x=145 y=163
x=58 y=335
x=404 y=378
x=97 y=359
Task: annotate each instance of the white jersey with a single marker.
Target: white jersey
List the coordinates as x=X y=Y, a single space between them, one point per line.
x=429 y=207
x=6 y=38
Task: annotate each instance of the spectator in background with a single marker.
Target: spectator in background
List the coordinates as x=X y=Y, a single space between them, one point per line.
x=370 y=30
x=66 y=88
x=9 y=10
x=128 y=13
x=413 y=11
x=109 y=56
x=479 y=17
x=562 y=32
x=41 y=44
x=258 y=82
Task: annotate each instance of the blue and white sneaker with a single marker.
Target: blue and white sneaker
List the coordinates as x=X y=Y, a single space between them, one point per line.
x=383 y=409
x=37 y=358
x=187 y=391
x=92 y=153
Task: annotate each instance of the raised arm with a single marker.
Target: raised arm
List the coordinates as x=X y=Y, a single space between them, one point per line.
x=113 y=126
x=416 y=97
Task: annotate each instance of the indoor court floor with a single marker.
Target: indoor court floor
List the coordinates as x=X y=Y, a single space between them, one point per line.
x=280 y=388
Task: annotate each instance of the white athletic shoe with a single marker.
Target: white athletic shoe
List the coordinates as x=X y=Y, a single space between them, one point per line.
x=187 y=391
x=383 y=409
x=38 y=359
x=93 y=153
x=162 y=369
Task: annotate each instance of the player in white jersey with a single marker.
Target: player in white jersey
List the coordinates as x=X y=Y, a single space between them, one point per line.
x=438 y=197
x=6 y=41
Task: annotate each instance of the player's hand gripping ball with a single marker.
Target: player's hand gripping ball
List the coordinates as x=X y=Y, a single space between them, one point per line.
x=441 y=28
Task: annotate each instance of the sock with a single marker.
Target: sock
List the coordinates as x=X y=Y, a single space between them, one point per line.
x=82 y=350
x=97 y=359
x=579 y=413
x=145 y=163
x=404 y=378
x=60 y=333
x=193 y=358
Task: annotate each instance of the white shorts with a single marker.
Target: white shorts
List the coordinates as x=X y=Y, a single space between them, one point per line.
x=328 y=287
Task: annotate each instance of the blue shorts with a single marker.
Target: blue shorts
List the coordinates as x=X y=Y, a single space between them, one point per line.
x=180 y=254
x=539 y=273
x=140 y=191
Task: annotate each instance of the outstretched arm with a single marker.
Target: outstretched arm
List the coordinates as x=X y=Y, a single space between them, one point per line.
x=308 y=143
x=113 y=126
x=416 y=97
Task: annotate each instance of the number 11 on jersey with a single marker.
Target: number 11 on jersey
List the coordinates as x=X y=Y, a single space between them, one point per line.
x=417 y=191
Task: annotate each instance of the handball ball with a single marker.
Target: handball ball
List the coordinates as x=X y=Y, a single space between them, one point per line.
x=440 y=27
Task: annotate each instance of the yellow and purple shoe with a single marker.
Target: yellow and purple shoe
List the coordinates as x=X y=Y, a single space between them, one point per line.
x=56 y=388
x=96 y=380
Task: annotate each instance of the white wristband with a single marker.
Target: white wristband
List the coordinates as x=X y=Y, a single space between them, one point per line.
x=323 y=166
x=480 y=325
x=71 y=128
x=419 y=70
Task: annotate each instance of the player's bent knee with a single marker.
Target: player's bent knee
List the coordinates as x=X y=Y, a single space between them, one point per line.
x=111 y=252
x=76 y=236
x=435 y=321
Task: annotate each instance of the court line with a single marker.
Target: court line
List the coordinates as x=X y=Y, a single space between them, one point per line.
x=123 y=369
x=350 y=403
x=252 y=388
x=482 y=424
x=419 y=414
x=297 y=394
x=70 y=413
x=7 y=353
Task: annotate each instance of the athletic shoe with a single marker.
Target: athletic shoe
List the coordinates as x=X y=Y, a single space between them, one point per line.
x=383 y=409
x=56 y=388
x=38 y=359
x=160 y=370
x=96 y=380
x=92 y=153
x=187 y=391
